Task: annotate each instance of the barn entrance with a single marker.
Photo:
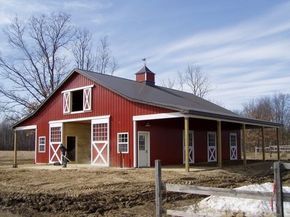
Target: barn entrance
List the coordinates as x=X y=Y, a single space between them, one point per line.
x=71 y=147
x=77 y=136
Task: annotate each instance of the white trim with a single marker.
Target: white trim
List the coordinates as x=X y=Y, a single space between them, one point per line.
x=215 y=137
x=35 y=147
x=127 y=143
x=134 y=144
x=148 y=133
x=79 y=119
x=51 y=143
x=158 y=116
x=77 y=112
x=193 y=151
x=29 y=127
x=77 y=88
x=101 y=120
x=41 y=137
x=236 y=140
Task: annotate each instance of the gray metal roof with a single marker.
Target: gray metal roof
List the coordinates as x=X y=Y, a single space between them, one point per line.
x=184 y=102
x=162 y=97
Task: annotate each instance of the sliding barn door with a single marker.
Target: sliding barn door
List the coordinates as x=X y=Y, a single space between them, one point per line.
x=100 y=142
x=55 y=139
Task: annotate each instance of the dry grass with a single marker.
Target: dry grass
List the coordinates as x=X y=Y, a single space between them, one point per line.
x=24 y=157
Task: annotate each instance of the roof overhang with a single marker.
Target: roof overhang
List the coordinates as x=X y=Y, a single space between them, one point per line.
x=209 y=116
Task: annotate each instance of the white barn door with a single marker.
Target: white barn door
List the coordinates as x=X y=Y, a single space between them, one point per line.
x=55 y=139
x=211 y=147
x=191 y=147
x=100 y=155
x=233 y=146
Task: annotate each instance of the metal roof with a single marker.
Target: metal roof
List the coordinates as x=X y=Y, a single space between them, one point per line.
x=183 y=102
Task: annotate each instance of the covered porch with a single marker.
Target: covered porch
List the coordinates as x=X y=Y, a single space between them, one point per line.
x=177 y=138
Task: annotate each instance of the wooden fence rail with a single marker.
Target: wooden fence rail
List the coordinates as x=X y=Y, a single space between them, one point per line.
x=278 y=194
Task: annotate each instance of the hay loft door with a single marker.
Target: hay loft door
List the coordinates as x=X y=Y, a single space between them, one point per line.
x=100 y=142
x=55 y=139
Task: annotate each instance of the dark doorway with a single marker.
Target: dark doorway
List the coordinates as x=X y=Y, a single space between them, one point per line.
x=71 y=148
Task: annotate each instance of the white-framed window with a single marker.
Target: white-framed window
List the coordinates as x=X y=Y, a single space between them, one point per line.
x=41 y=143
x=77 y=100
x=123 y=143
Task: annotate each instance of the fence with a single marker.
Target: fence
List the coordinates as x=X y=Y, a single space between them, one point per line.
x=278 y=194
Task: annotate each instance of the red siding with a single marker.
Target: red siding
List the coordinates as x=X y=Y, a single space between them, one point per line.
x=105 y=102
x=166 y=139
x=165 y=135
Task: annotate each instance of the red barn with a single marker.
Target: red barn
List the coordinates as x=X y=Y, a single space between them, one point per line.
x=111 y=121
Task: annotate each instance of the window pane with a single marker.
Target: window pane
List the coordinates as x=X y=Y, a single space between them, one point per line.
x=55 y=134
x=100 y=132
x=123 y=142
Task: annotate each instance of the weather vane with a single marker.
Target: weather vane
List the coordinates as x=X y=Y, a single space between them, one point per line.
x=144 y=60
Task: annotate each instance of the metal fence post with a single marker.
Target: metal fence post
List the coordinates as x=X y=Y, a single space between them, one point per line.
x=158 y=186
x=278 y=189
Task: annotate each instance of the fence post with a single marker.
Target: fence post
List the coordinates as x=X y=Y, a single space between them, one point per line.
x=158 y=186
x=278 y=189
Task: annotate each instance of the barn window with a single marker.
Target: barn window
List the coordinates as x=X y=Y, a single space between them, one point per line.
x=55 y=134
x=123 y=143
x=77 y=100
x=100 y=132
x=41 y=143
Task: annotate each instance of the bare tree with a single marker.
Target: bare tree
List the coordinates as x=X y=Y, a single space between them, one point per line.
x=169 y=83
x=196 y=80
x=82 y=50
x=105 y=62
x=101 y=60
x=181 y=80
x=40 y=64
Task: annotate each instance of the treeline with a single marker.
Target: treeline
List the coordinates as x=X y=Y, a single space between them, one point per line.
x=25 y=139
x=275 y=108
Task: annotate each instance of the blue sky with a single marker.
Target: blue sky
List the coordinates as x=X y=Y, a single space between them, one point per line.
x=243 y=46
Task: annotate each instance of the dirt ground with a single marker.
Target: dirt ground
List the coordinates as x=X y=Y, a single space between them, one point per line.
x=33 y=190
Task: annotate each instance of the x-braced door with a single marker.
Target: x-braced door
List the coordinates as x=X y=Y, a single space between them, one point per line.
x=233 y=146
x=211 y=147
x=100 y=142
x=191 y=147
x=55 y=139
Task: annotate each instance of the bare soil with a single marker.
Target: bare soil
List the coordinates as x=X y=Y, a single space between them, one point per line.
x=33 y=190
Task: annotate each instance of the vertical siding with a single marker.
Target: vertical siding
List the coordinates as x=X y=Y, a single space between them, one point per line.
x=104 y=102
x=165 y=135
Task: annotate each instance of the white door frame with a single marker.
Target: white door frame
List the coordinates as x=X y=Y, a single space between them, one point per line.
x=148 y=137
x=193 y=152
x=51 y=143
x=236 y=146
x=102 y=120
x=209 y=153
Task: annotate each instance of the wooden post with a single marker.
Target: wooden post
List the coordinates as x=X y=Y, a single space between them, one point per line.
x=278 y=189
x=219 y=129
x=158 y=188
x=263 y=144
x=15 y=149
x=244 y=146
x=186 y=143
x=278 y=142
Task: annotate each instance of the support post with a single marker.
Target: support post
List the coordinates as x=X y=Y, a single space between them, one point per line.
x=186 y=143
x=244 y=146
x=15 y=149
x=278 y=189
x=263 y=144
x=278 y=142
x=158 y=188
x=219 y=129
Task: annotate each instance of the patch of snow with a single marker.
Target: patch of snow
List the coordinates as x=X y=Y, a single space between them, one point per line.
x=216 y=206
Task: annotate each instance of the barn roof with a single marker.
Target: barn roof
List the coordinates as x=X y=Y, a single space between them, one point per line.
x=183 y=102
